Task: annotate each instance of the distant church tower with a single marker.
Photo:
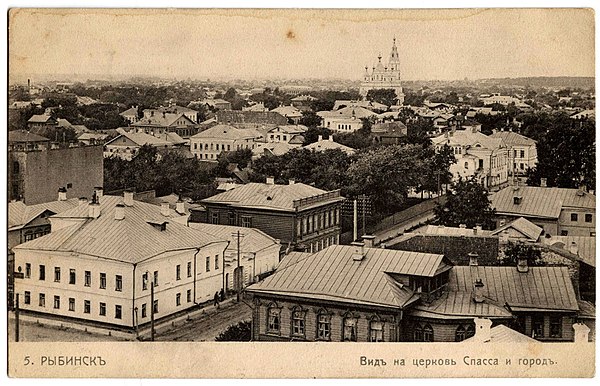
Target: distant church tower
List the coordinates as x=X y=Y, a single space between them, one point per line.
x=382 y=77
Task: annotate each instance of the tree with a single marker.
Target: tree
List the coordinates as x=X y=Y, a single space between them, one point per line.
x=386 y=96
x=241 y=332
x=515 y=251
x=467 y=202
x=386 y=174
x=241 y=157
x=310 y=119
x=437 y=168
x=312 y=134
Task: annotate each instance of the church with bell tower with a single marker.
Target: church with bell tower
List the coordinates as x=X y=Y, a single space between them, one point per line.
x=384 y=76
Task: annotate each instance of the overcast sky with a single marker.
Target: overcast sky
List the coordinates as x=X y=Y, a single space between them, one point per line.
x=245 y=44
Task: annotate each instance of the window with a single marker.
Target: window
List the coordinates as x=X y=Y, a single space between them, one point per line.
x=274 y=325
x=87 y=279
x=102 y=309
x=464 y=332
x=178 y=299
x=466 y=165
x=145 y=281
x=564 y=233
x=574 y=217
x=42 y=272
x=155 y=278
x=27 y=270
x=178 y=272
x=522 y=154
x=323 y=327
x=57 y=274
x=555 y=327
x=27 y=299
x=247 y=221
x=349 y=330
x=87 y=306
x=423 y=333
x=189 y=296
x=376 y=331
x=588 y=217
x=102 y=281
x=118 y=283
x=298 y=322
x=42 y=300
x=71 y=304
x=537 y=326
x=144 y=311
x=214 y=218
x=117 y=312
x=72 y=277
x=231 y=218
x=57 y=302
x=216 y=262
x=155 y=307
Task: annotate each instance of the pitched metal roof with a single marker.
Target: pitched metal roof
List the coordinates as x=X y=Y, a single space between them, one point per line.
x=251 y=240
x=25 y=136
x=333 y=274
x=132 y=239
x=585 y=246
x=40 y=118
x=265 y=196
x=511 y=138
x=451 y=231
x=141 y=139
x=541 y=288
x=329 y=144
x=227 y=132
x=503 y=334
x=468 y=138
x=522 y=225
x=20 y=214
x=163 y=120
x=540 y=202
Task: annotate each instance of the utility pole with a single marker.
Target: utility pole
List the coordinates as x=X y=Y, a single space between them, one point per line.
x=364 y=211
x=152 y=310
x=355 y=220
x=17 y=318
x=239 y=286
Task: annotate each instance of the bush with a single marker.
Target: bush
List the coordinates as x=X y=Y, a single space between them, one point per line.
x=241 y=332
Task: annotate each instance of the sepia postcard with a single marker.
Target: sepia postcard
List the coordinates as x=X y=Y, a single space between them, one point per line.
x=301 y=193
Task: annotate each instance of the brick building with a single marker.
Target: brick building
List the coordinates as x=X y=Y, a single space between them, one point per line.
x=297 y=214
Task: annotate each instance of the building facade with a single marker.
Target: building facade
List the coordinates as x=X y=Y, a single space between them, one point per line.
x=384 y=77
x=522 y=152
x=208 y=144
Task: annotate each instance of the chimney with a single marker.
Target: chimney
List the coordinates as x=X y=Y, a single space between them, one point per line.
x=582 y=190
x=522 y=265
x=494 y=131
x=119 y=212
x=543 y=182
x=62 y=194
x=581 y=333
x=573 y=248
x=128 y=198
x=369 y=241
x=93 y=210
x=180 y=207
x=291 y=181
x=99 y=191
x=270 y=180
x=358 y=252
x=473 y=259
x=164 y=209
x=462 y=226
x=483 y=332
x=320 y=138
x=83 y=201
x=475 y=231
x=478 y=291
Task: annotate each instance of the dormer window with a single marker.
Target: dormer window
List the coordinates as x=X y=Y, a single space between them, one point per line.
x=517 y=200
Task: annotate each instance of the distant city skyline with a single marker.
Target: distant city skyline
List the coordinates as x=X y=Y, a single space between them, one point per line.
x=230 y=44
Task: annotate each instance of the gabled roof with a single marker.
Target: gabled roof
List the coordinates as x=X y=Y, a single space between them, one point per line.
x=290 y=129
x=251 y=117
x=288 y=111
x=227 y=132
x=390 y=129
x=252 y=240
x=141 y=139
x=25 y=136
x=41 y=118
x=129 y=112
x=541 y=288
x=86 y=136
x=347 y=112
x=333 y=274
x=468 y=138
x=523 y=226
x=272 y=148
x=266 y=196
x=511 y=138
x=329 y=144
x=539 y=201
x=582 y=246
x=131 y=240
x=441 y=230
x=19 y=214
x=163 y=120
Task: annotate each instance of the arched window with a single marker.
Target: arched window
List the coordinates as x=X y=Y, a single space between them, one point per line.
x=423 y=333
x=273 y=319
x=323 y=325
x=464 y=332
x=350 y=331
x=298 y=322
